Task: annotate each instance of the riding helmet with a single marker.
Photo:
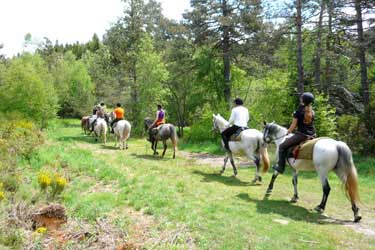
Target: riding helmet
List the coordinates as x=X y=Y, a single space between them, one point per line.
x=238 y=101
x=307 y=98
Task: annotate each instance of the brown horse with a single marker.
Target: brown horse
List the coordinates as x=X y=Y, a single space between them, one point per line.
x=85 y=124
x=162 y=133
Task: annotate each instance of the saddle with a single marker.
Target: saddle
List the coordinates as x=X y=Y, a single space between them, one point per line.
x=237 y=135
x=304 y=150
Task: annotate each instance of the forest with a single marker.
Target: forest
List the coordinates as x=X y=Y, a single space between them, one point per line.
x=266 y=52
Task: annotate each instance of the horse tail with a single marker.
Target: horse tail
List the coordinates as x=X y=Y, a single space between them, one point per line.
x=103 y=131
x=264 y=154
x=126 y=131
x=347 y=172
x=174 y=136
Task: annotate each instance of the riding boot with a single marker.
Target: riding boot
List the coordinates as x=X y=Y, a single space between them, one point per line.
x=280 y=166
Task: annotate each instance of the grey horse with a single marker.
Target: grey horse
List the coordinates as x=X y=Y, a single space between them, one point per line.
x=162 y=133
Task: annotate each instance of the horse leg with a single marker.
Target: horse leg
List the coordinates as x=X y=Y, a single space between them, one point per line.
x=295 y=181
x=257 y=177
x=165 y=148
x=326 y=189
x=270 y=186
x=232 y=163
x=225 y=163
x=154 y=147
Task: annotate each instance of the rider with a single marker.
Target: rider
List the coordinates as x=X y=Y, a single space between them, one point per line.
x=304 y=120
x=119 y=115
x=159 y=120
x=239 y=118
x=99 y=111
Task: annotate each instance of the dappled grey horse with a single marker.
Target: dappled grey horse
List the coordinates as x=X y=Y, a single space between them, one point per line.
x=328 y=155
x=162 y=133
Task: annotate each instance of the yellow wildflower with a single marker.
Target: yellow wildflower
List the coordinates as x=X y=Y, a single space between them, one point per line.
x=41 y=230
x=2 y=195
x=44 y=180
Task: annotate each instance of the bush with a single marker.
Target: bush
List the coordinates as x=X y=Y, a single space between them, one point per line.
x=201 y=131
x=27 y=88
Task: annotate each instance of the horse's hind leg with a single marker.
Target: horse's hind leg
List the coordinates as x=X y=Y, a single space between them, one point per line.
x=270 y=186
x=295 y=181
x=225 y=163
x=256 y=160
x=326 y=189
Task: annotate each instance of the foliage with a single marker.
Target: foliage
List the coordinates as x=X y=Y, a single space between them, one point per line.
x=74 y=87
x=28 y=89
x=325 y=117
x=351 y=130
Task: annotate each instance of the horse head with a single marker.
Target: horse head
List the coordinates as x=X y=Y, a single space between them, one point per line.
x=270 y=131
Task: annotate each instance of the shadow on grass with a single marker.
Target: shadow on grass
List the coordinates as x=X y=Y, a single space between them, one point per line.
x=291 y=211
x=151 y=157
x=216 y=177
x=110 y=147
x=83 y=138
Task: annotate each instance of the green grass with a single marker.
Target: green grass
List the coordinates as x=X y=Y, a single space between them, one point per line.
x=219 y=211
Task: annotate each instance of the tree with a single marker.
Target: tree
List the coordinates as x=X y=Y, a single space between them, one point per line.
x=224 y=24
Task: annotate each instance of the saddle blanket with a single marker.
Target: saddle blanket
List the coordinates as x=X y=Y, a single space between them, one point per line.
x=305 y=149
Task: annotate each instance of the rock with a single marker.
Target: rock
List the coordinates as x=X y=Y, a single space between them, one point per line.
x=345 y=102
x=51 y=217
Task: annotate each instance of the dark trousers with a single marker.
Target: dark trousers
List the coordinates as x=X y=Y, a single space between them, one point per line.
x=116 y=120
x=226 y=134
x=283 y=148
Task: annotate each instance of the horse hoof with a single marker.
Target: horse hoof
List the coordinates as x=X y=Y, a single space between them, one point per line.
x=260 y=178
x=269 y=192
x=254 y=181
x=319 y=209
x=357 y=218
x=294 y=200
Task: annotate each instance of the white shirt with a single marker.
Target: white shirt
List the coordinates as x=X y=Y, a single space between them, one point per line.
x=239 y=116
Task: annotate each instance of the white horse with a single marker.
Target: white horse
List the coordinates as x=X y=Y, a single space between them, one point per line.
x=100 y=129
x=328 y=154
x=251 y=144
x=122 y=131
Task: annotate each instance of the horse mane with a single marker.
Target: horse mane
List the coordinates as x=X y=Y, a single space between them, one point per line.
x=222 y=119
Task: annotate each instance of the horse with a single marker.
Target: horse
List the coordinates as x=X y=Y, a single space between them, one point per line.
x=163 y=133
x=328 y=155
x=85 y=124
x=122 y=131
x=100 y=129
x=251 y=144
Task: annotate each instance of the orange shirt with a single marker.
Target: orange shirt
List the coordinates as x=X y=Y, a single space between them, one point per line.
x=119 y=112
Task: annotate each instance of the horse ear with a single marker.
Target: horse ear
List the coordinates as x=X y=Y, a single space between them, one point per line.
x=213 y=115
x=264 y=123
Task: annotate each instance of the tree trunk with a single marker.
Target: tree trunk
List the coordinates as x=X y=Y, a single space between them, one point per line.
x=300 y=86
x=319 y=48
x=362 y=55
x=226 y=57
x=328 y=49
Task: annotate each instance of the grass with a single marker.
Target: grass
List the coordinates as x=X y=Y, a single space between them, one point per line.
x=219 y=211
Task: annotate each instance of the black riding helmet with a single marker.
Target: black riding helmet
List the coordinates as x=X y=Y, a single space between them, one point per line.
x=238 y=101
x=307 y=98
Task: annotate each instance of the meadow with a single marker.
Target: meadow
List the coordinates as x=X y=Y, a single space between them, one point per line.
x=161 y=203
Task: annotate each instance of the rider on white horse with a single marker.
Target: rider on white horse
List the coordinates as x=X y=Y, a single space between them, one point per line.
x=304 y=121
x=119 y=115
x=239 y=118
x=99 y=112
